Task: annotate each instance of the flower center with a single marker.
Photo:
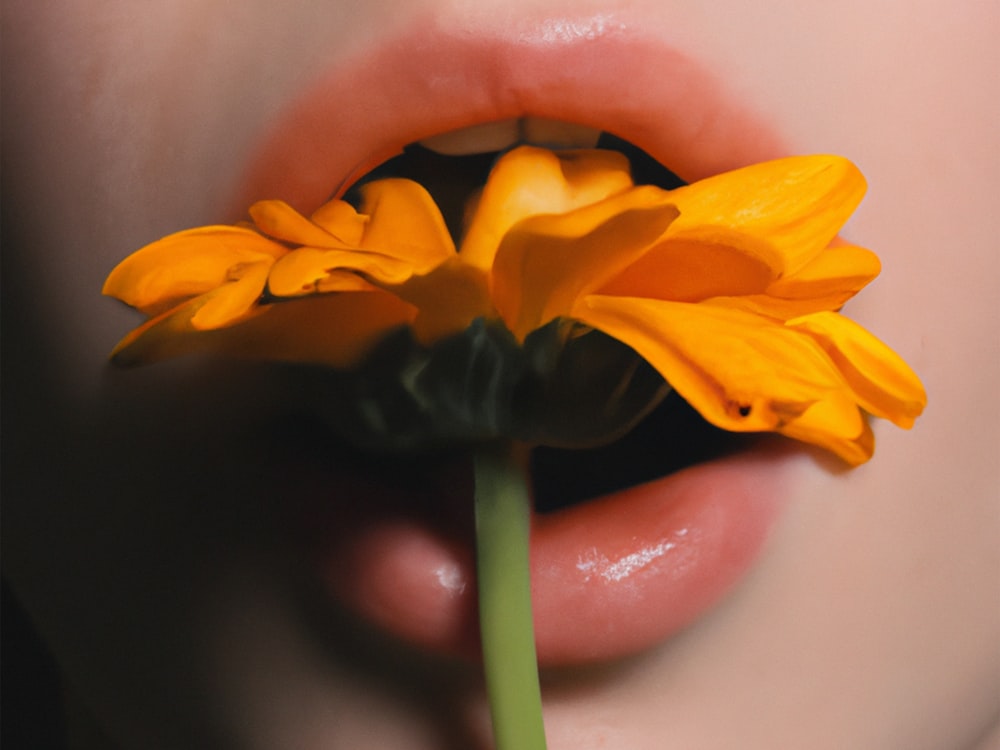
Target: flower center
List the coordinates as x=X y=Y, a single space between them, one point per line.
x=568 y=299
x=671 y=437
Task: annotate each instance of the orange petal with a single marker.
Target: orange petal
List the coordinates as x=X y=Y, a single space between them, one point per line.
x=341 y=220
x=336 y=330
x=405 y=224
x=817 y=425
x=825 y=283
x=234 y=300
x=448 y=298
x=740 y=371
x=344 y=281
x=529 y=181
x=837 y=272
x=544 y=263
x=168 y=335
x=185 y=265
x=306 y=270
x=797 y=204
x=882 y=382
x=687 y=270
x=775 y=308
x=279 y=220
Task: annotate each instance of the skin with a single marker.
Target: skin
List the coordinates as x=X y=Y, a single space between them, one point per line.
x=135 y=532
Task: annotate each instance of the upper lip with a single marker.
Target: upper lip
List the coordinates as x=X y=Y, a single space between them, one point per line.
x=600 y=70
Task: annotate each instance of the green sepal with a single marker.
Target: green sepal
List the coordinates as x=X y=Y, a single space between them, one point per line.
x=568 y=386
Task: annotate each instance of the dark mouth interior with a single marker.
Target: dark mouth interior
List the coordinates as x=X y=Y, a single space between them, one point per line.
x=672 y=437
x=452 y=179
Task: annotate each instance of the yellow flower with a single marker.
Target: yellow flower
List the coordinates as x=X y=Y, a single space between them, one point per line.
x=728 y=287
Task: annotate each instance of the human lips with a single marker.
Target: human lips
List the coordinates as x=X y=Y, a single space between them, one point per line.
x=599 y=71
x=620 y=573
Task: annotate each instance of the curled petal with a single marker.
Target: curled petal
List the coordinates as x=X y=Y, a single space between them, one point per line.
x=307 y=270
x=741 y=372
x=686 y=270
x=798 y=204
x=405 y=224
x=822 y=426
x=825 y=283
x=546 y=262
x=279 y=220
x=529 y=181
x=170 y=334
x=775 y=308
x=448 y=299
x=881 y=381
x=235 y=300
x=335 y=330
x=167 y=334
x=341 y=220
x=187 y=264
x=344 y=281
x=837 y=272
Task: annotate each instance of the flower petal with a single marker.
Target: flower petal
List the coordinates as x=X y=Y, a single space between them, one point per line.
x=448 y=299
x=341 y=220
x=343 y=281
x=837 y=272
x=825 y=283
x=687 y=270
x=814 y=426
x=405 y=224
x=233 y=300
x=185 y=265
x=528 y=181
x=741 y=372
x=170 y=334
x=335 y=330
x=797 y=204
x=307 y=270
x=773 y=307
x=279 y=220
x=882 y=382
x=545 y=263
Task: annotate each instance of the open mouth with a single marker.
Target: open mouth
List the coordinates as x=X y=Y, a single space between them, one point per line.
x=660 y=538
x=454 y=166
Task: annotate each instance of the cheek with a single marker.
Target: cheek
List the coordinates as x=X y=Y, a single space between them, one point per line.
x=909 y=109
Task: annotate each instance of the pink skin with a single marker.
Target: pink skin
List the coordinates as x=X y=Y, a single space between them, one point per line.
x=139 y=507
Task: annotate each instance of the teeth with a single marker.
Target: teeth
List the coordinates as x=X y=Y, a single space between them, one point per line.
x=478 y=139
x=496 y=136
x=557 y=134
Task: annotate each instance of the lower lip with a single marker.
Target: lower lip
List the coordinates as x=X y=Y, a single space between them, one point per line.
x=610 y=578
x=616 y=575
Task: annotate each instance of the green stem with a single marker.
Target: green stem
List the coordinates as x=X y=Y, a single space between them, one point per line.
x=503 y=524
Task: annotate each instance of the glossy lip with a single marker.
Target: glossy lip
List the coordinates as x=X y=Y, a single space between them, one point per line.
x=613 y=576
